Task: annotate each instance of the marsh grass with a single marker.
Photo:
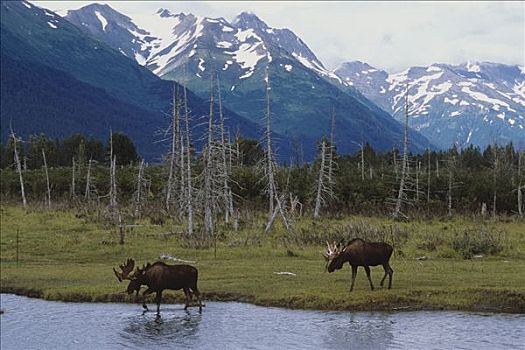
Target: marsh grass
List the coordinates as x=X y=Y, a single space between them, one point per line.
x=63 y=256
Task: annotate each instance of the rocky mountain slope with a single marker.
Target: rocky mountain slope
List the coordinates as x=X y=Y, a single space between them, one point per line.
x=473 y=103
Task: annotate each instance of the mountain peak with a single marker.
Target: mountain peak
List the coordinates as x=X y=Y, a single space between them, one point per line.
x=162 y=12
x=248 y=19
x=97 y=7
x=103 y=12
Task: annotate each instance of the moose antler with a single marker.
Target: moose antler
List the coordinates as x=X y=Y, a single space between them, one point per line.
x=126 y=269
x=331 y=251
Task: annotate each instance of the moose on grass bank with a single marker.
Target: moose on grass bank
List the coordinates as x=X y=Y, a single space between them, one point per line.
x=158 y=277
x=360 y=253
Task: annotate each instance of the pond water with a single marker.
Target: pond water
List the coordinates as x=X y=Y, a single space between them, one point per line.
x=37 y=324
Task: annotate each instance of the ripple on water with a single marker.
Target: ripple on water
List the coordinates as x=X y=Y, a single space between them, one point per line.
x=37 y=324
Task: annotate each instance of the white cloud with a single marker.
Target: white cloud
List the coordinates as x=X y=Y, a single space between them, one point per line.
x=388 y=35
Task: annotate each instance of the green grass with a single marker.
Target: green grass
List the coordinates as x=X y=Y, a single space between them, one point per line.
x=63 y=257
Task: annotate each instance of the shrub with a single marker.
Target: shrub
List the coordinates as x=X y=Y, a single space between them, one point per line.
x=477 y=241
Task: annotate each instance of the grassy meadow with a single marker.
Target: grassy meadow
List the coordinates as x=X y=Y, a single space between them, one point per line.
x=457 y=264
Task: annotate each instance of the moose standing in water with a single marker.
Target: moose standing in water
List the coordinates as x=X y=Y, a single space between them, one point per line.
x=160 y=276
x=360 y=253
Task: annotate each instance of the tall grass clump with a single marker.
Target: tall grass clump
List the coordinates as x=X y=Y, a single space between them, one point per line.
x=470 y=242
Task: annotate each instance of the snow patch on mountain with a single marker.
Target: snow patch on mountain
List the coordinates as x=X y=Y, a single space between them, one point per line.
x=472 y=67
x=102 y=19
x=445 y=100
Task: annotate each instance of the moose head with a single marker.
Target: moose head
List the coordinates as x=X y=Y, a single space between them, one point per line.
x=136 y=279
x=333 y=256
x=125 y=270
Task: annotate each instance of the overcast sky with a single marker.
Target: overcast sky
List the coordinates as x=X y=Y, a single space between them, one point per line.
x=388 y=35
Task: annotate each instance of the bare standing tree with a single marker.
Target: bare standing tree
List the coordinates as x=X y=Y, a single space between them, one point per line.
x=396 y=168
x=113 y=184
x=275 y=201
x=140 y=193
x=72 y=189
x=209 y=168
x=19 y=168
x=324 y=179
x=174 y=155
x=225 y=169
x=189 y=183
x=47 y=179
x=451 y=168
x=401 y=194
x=418 y=170
x=112 y=175
x=520 y=186
x=269 y=151
x=495 y=173
x=87 y=192
x=331 y=160
x=428 y=176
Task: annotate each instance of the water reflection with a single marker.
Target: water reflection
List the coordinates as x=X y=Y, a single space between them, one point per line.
x=173 y=326
x=38 y=324
x=358 y=331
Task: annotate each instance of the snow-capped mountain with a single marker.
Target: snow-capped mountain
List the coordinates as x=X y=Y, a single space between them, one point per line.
x=188 y=48
x=246 y=40
x=472 y=103
x=77 y=84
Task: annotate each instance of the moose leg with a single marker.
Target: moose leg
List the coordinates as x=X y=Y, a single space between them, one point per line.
x=354 y=273
x=387 y=270
x=144 y=294
x=198 y=295
x=390 y=273
x=157 y=299
x=188 y=298
x=367 y=269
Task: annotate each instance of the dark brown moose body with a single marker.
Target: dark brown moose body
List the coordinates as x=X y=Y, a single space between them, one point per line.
x=160 y=276
x=360 y=253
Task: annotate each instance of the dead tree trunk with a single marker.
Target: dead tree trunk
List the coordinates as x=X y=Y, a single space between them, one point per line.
x=113 y=184
x=418 y=169
x=451 y=167
x=362 y=161
x=87 y=192
x=173 y=166
x=401 y=194
x=73 y=178
x=428 y=178
x=495 y=180
x=227 y=198
x=396 y=170
x=189 y=185
x=269 y=151
x=320 y=182
x=112 y=173
x=47 y=179
x=138 y=194
x=332 y=149
x=520 y=194
x=209 y=170
x=275 y=202
x=19 y=169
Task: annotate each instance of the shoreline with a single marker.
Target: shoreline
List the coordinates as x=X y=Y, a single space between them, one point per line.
x=55 y=255
x=516 y=305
